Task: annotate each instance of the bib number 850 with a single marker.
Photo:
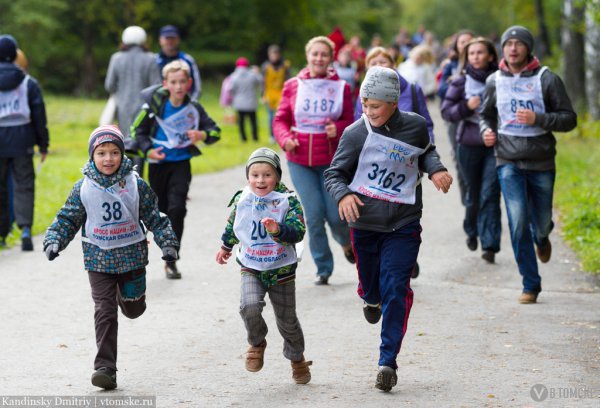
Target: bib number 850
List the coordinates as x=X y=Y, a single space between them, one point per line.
x=386 y=181
x=520 y=104
x=112 y=213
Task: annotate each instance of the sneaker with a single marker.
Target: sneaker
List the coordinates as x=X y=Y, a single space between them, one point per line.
x=544 y=251
x=26 y=242
x=349 y=254
x=323 y=280
x=255 y=357
x=488 y=256
x=386 y=378
x=472 y=243
x=301 y=372
x=528 y=298
x=105 y=377
x=2 y=242
x=415 y=272
x=171 y=270
x=372 y=313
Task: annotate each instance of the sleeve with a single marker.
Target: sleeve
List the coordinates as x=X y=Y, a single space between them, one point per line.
x=488 y=118
x=154 y=71
x=228 y=237
x=283 y=121
x=197 y=88
x=559 y=115
x=153 y=219
x=68 y=220
x=38 y=115
x=443 y=88
x=347 y=116
x=343 y=166
x=142 y=127
x=208 y=125
x=292 y=230
x=454 y=106
x=423 y=111
x=430 y=162
x=357 y=109
x=112 y=80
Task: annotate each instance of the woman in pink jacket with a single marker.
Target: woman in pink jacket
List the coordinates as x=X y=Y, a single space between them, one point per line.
x=315 y=108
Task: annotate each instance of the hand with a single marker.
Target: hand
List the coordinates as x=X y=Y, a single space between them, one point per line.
x=442 y=180
x=489 y=137
x=196 y=135
x=51 y=251
x=290 y=144
x=348 y=207
x=271 y=225
x=330 y=129
x=473 y=102
x=169 y=254
x=223 y=256
x=43 y=157
x=525 y=116
x=156 y=154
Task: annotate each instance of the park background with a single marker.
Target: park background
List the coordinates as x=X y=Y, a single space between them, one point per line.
x=69 y=42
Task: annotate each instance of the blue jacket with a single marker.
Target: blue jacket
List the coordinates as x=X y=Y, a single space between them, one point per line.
x=72 y=216
x=20 y=140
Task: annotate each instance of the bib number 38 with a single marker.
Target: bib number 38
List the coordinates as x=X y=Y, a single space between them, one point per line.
x=112 y=212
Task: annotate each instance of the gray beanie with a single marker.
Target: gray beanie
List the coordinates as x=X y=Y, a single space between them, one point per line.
x=518 y=33
x=264 y=155
x=106 y=134
x=381 y=83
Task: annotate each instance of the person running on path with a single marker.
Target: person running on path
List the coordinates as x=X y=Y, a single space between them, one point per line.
x=476 y=161
x=167 y=129
x=375 y=179
x=315 y=108
x=266 y=221
x=523 y=103
x=113 y=206
x=22 y=127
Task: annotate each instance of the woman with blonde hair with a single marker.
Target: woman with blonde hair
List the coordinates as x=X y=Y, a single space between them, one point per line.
x=314 y=110
x=419 y=68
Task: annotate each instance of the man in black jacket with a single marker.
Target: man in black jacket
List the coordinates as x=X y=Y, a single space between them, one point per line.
x=522 y=104
x=22 y=126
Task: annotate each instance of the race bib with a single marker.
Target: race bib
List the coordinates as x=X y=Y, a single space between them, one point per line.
x=176 y=126
x=317 y=102
x=14 y=106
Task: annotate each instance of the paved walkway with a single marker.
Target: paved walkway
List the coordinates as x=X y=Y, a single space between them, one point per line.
x=469 y=343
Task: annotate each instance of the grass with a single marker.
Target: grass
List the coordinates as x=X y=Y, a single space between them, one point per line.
x=70 y=122
x=577 y=192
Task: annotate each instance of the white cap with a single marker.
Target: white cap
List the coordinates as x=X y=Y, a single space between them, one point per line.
x=134 y=35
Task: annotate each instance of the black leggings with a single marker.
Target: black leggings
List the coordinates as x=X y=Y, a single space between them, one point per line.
x=241 y=122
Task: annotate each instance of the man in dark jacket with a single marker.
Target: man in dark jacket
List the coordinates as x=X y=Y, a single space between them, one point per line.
x=22 y=126
x=523 y=104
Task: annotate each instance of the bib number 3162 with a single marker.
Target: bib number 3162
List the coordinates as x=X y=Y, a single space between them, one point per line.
x=386 y=179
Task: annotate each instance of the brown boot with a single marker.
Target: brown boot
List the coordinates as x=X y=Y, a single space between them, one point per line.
x=300 y=371
x=544 y=251
x=527 y=298
x=255 y=357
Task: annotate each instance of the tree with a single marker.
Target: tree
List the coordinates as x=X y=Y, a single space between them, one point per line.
x=543 y=47
x=592 y=57
x=573 y=51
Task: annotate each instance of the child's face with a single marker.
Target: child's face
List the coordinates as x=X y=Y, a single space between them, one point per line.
x=177 y=83
x=378 y=112
x=262 y=178
x=107 y=158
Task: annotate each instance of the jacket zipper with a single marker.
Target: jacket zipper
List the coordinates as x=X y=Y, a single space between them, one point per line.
x=310 y=145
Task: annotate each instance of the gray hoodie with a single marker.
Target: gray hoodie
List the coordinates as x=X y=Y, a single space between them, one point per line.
x=245 y=85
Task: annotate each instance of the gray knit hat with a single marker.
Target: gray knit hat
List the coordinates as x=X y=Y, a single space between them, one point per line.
x=264 y=155
x=518 y=33
x=381 y=83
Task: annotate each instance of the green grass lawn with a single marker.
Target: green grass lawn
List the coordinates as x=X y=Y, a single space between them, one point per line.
x=70 y=122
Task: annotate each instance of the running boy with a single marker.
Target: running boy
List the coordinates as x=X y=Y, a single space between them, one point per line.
x=267 y=220
x=375 y=179
x=110 y=203
x=167 y=129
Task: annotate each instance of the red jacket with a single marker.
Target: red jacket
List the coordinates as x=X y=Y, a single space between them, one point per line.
x=315 y=149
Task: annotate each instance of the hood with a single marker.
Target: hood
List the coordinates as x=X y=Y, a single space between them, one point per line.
x=331 y=74
x=10 y=76
x=89 y=170
x=531 y=66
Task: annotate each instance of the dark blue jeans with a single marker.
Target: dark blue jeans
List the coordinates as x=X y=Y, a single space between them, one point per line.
x=482 y=195
x=385 y=261
x=528 y=198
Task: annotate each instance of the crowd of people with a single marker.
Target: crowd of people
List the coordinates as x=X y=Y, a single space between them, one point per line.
x=355 y=129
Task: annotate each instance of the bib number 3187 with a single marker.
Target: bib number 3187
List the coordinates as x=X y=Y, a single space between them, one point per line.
x=386 y=179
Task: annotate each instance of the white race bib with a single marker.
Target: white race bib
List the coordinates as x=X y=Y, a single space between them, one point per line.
x=388 y=169
x=112 y=213
x=317 y=102
x=176 y=126
x=257 y=249
x=513 y=93
x=474 y=88
x=14 y=106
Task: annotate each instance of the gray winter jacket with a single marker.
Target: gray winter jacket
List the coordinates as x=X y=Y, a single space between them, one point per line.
x=530 y=153
x=128 y=73
x=245 y=85
x=378 y=215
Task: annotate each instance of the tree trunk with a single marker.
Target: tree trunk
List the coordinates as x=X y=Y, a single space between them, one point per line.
x=543 y=48
x=573 y=55
x=89 y=71
x=592 y=59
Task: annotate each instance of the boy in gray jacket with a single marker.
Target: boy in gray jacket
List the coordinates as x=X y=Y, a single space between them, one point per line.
x=375 y=179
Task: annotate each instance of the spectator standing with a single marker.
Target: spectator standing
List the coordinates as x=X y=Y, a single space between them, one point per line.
x=275 y=72
x=245 y=85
